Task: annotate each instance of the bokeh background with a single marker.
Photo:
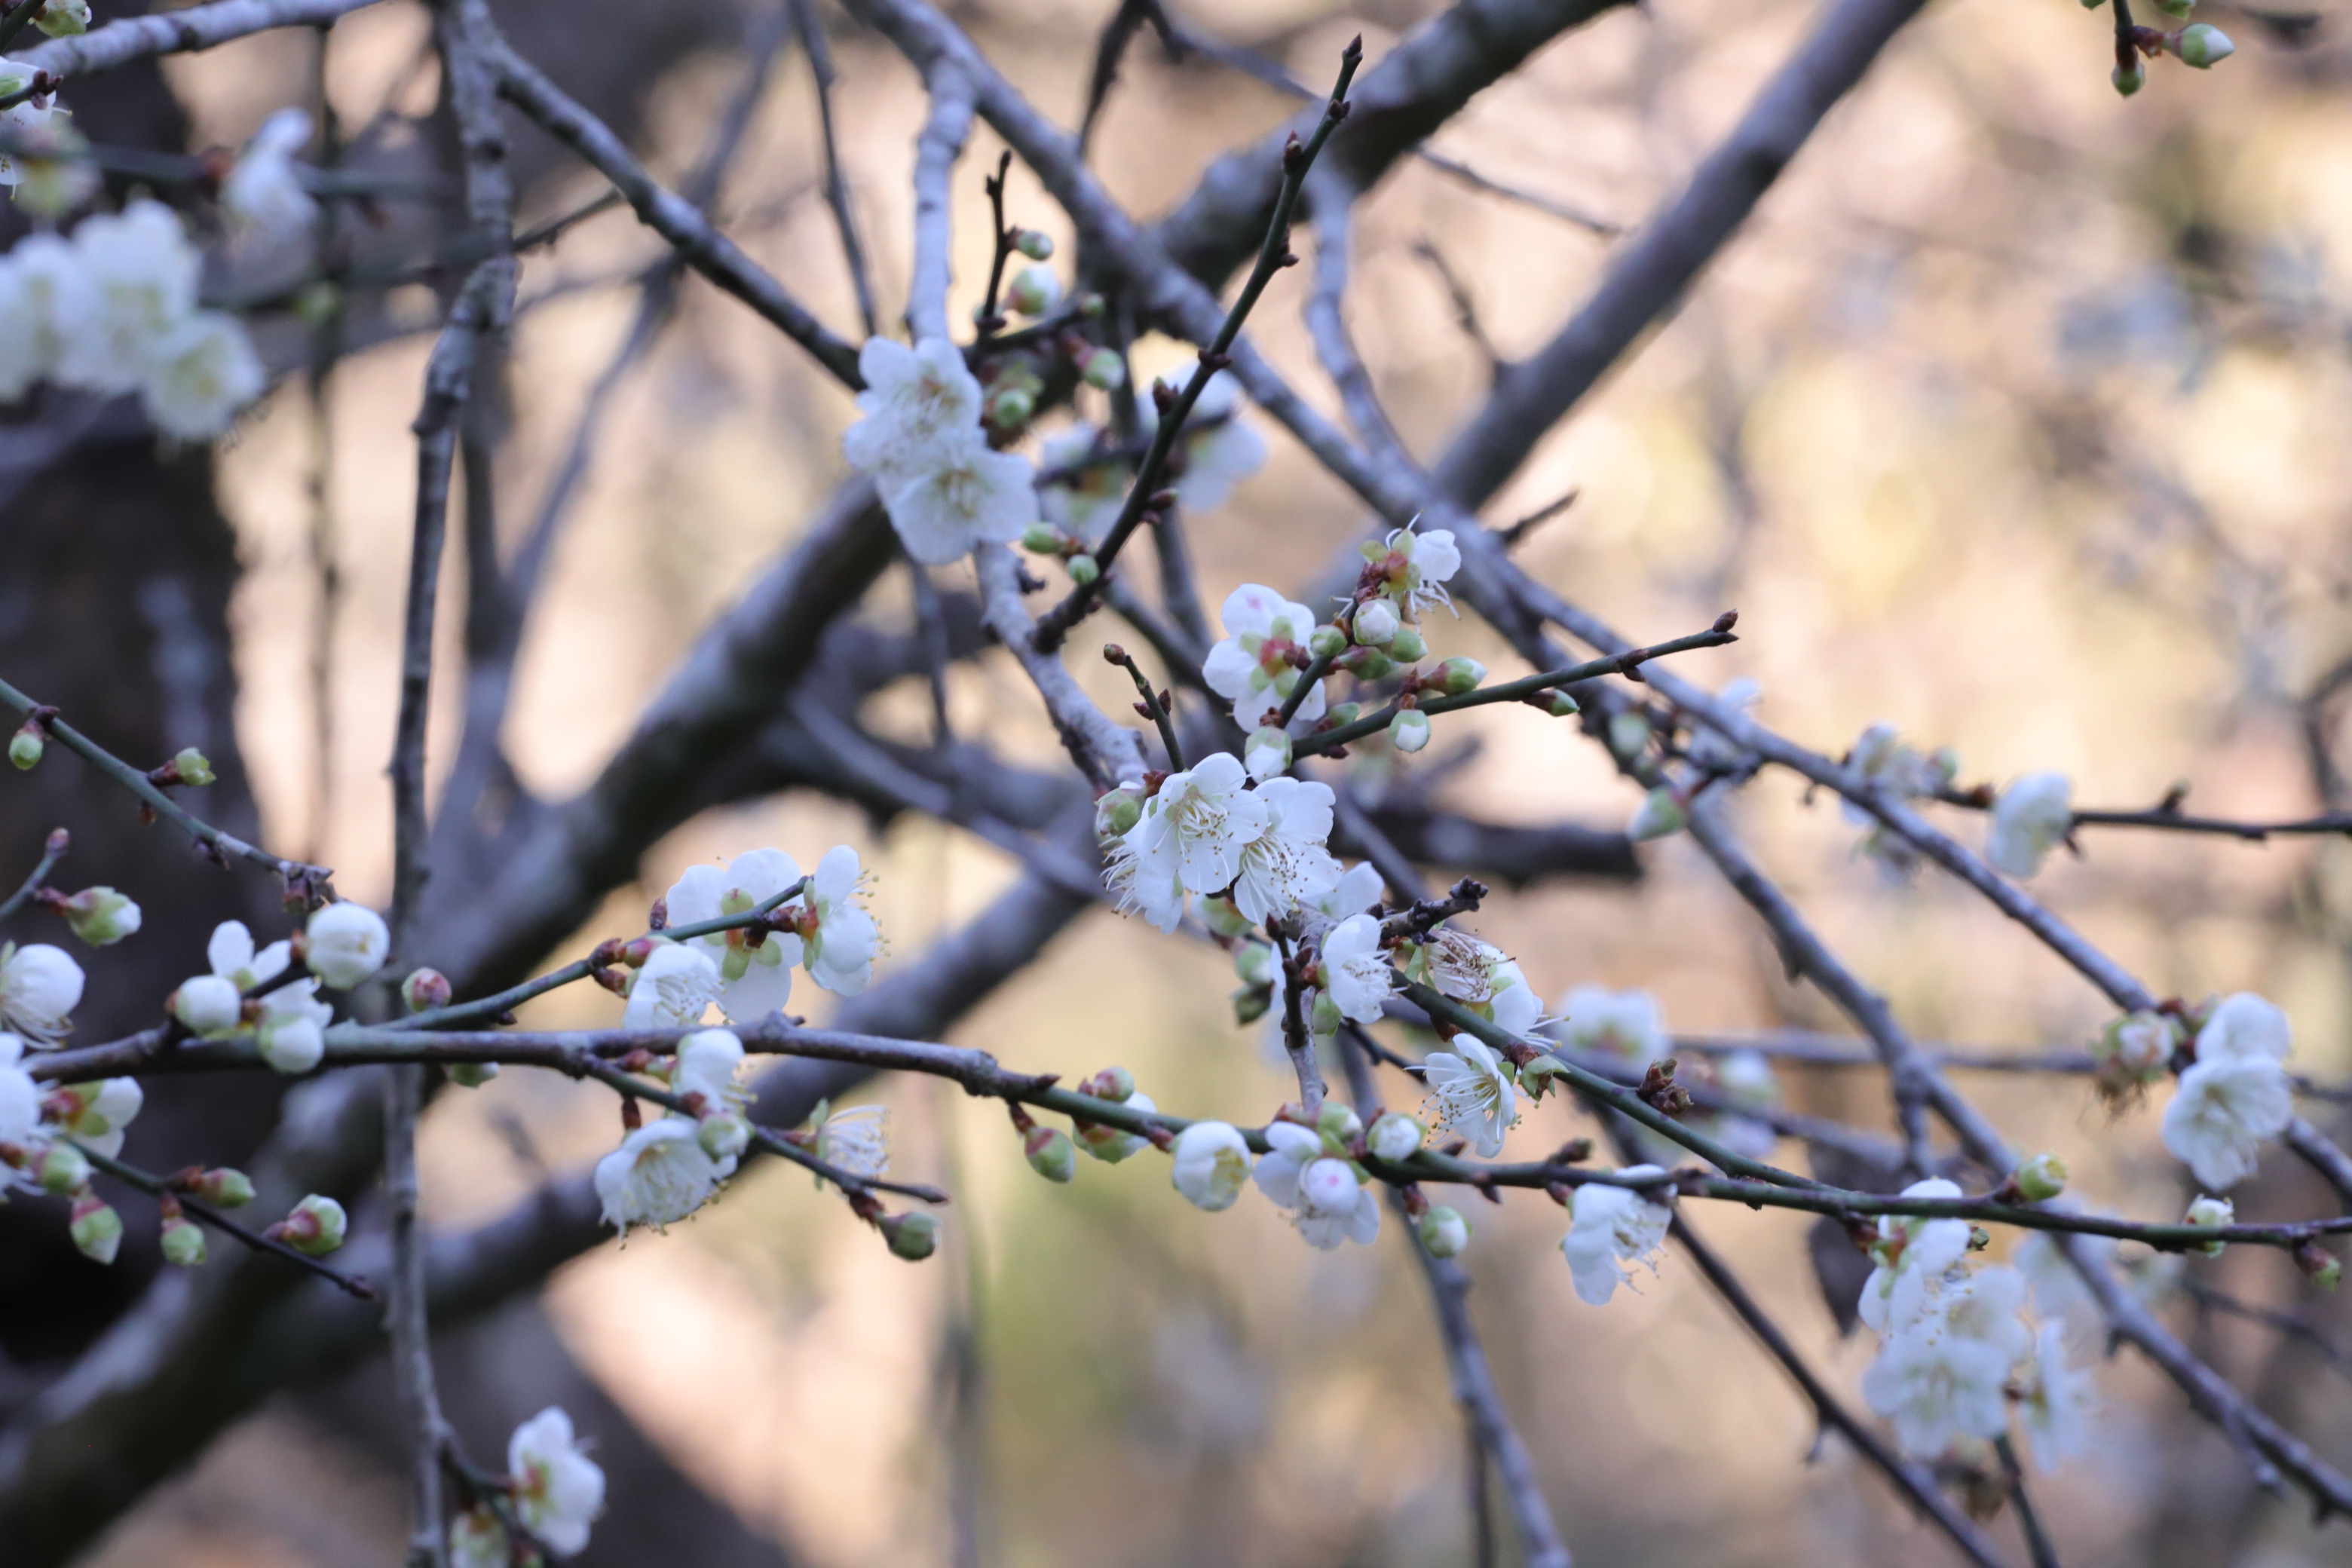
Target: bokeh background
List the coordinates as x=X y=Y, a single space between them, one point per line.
x=2017 y=418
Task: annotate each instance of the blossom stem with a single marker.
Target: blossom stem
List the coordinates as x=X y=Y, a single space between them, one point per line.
x=1154 y=709
x=2169 y=817
x=1515 y=690
x=53 y=849
x=20 y=18
x=205 y=1213
x=1317 y=668
x=1273 y=255
x=298 y=875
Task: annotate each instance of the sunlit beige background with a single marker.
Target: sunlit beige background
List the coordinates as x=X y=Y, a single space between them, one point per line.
x=2018 y=418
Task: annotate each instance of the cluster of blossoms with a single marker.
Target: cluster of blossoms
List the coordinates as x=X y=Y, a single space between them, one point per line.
x=668 y=1168
x=344 y=945
x=2236 y=1095
x=112 y=308
x=1883 y=761
x=947 y=491
x=554 y=1492
x=1317 y=1174
x=1956 y=1352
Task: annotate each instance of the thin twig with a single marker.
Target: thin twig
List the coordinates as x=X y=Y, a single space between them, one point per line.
x=836 y=186
x=1156 y=706
x=348 y=1284
x=53 y=849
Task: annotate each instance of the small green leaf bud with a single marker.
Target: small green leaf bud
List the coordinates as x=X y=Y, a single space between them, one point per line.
x=1443 y=1232
x=472 y=1075
x=1035 y=244
x=1116 y=811
x=913 y=1237
x=2041 y=1178
x=2129 y=79
x=1042 y=539
x=1460 y=677
x=1082 y=570
x=1104 y=371
x=194 y=770
x=223 y=1188
x=1051 y=1153
x=96 y=1228
x=1659 y=815
x=1254 y=962
x=63 y=1169
x=26 y=746
x=184 y=1242
x=1564 y=706
x=1409 y=731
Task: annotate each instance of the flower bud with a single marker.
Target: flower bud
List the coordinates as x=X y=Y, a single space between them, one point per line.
x=1370 y=664
x=1082 y=570
x=63 y=1169
x=2212 y=1213
x=1408 y=644
x=2204 y=46
x=1341 y=713
x=1328 y=642
x=1460 y=677
x=1538 y=1076
x=1034 y=291
x=1323 y=1017
x=1564 y=706
x=25 y=747
x=913 y=1237
x=1409 y=731
x=1443 y=1232
x=724 y=1136
x=100 y=916
x=1629 y=735
x=1116 y=811
x=1254 y=962
x=1660 y=814
x=1223 y=919
x=472 y=1075
x=1337 y=1120
x=1012 y=409
x=184 y=1242
x=1111 y=1083
x=1051 y=1153
x=2319 y=1266
x=1104 y=371
x=97 y=1229
x=1376 y=624
x=1042 y=539
x=1396 y=1137
x=207 y=1004
x=1267 y=753
x=194 y=770
x=223 y=1188
x=1253 y=1003
x=2129 y=79
x=315 y=1228
x=345 y=943
x=424 y=989
x=2041 y=1178
x=64 y=18
x=1035 y=244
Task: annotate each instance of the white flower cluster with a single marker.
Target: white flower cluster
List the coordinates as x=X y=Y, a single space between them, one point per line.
x=344 y=945
x=1211 y=829
x=1611 y=1226
x=1955 y=1352
x=2030 y=818
x=1257 y=667
x=946 y=490
x=1883 y=760
x=2238 y=1096
x=557 y=1491
x=113 y=309
x=1629 y=1025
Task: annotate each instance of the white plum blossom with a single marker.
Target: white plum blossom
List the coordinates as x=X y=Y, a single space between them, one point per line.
x=1460 y=965
x=1358 y=889
x=673 y=989
x=24 y=119
x=1913 y=1253
x=143 y=272
x=1621 y=1023
x=1266 y=753
x=103 y=1112
x=2246 y=1024
x=1335 y=1206
x=1286 y=865
x=199 y=374
x=753 y=981
x=1081 y=494
x=40 y=986
x=207 y=1004
x=706 y=1064
x=1472 y=1091
x=2031 y=816
x=965 y=496
x=292 y=1030
x=477 y=1540
x=2222 y=1113
x=1357 y=976
x=1199 y=824
x=1613 y=1226
x=839 y=947
x=1154 y=891
x=44 y=301
x=1215 y=451
x=857 y=1141
x=1257 y=664
x=233 y=957
x=658 y=1176
x=1212 y=1165
x=1984 y=1306
x=1514 y=1004
x=558 y=1489
x=915 y=400
x=1291 y=1148
x=1411 y=569
x=2058 y=1401
x=1937 y=1389
x=345 y=943
x=20 y=1096
x=262 y=195
x=1395 y=1137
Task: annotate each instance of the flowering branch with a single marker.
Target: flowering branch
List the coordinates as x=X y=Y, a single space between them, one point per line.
x=205 y=1213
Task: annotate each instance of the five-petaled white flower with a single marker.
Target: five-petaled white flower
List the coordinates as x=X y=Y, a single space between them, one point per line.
x=841 y=938
x=2224 y=1111
x=344 y=943
x=558 y=1489
x=1622 y=1023
x=262 y=195
x=675 y=985
x=1613 y=1226
x=1938 y=1389
x=1913 y=1253
x=658 y=1176
x=1291 y=1148
x=2031 y=815
x=916 y=399
x=1357 y=976
x=753 y=981
x=856 y=1140
x=1258 y=664
x=1412 y=568
x=1474 y=1092
x=1286 y=865
x=1212 y=1165
x=40 y=986
x=2058 y=1401
x=1358 y=889
x=1153 y=890
x=232 y=955
x=965 y=496
x=1333 y=1206
x=101 y=1112
x=1199 y=824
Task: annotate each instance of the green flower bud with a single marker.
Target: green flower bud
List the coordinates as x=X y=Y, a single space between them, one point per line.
x=97 y=1229
x=2041 y=1178
x=63 y=1169
x=424 y=989
x=913 y=1237
x=1370 y=664
x=1564 y=706
x=472 y=1075
x=1659 y=815
x=1116 y=811
x=194 y=771
x=315 y=1228
x=1034 y=291
x=1328 y=642
x=1409 y=731
x=1253 y=1003
x=1408 y=643
x=224 y=1188
x=184 y=1242
x=1111 y=1083
x=1337 y=1120
x=2129 y=79
x=2212 y=1212
x=1461 y=676
x=1082 y=570
x=2204 y=46
x=1629 y=735
x=1035 y=245
x=1443 y=1232
x=25 y=747
x=2319 y=1266
x=100 y=916
x=1104 y=371
x=1012 y=409
x=1341 y=713
x=1042 y=539
x=1051 y=1153
x=1375 y=623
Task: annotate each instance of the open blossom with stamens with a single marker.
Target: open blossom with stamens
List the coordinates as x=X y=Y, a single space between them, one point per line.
x=1357 y=976
x=706 y=1064
x=1212 y=1165
x=674 y=989
x=40 y=986
x=2058 y=1402
x=960 y=495
x=1154 y=891
x=1080 y=493
x=1472 y=1091
x=1259 y=663
x=1286 y=865
x=842 y=938
x=1614 y=1227
x=1622 y=1023
x=558 y=1489
x=1457 y=963
x=755 y=981
x=2224 y=1111
x=233 y=958
x=2030 y=817
x=1412 y=568
x=658 y=1176
x=1199 y=824
x=1913 y=1254
x=1937 y=1389
x=915 y=399
x=856 y=1140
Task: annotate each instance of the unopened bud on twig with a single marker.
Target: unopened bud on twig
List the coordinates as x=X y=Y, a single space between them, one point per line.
x=424 y=989
x=96 y=1229
x=2041 y=1178
x=1051 y=1153
x=913 y=1237
x=315 y=1228
x=100 y=916
x=1376 y=624
x=2319 y=1266
x=1443 y=1232
x=221 y=1186
x=2212 y=1212
x=2130 y=79
x=25 y=747
x=1104 y=370
x=1084 y=570
x=63 y=1169
x=1035 y=244
x=1459 y=676
x=1407 y=644
x=1660 y=814
x=1111 y=1083
x=1034 y=291
x=2204 y=46
x=1409 y=731
x=182 y=1241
